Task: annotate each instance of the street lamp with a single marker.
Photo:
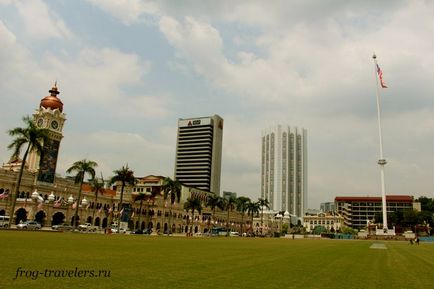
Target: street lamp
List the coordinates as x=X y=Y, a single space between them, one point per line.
x=51 y=199
x=35 y=197
x=70 y=202
x=84 y=203
x=279 y=217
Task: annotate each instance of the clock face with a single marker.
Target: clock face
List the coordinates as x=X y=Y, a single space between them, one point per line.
x=54 y=124
x=40 y=122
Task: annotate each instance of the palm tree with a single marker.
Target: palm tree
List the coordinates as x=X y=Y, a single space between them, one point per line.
x=97 y=187
x=171 y=188
x=253 y=209
x=82 y=168
x=126 y=177
x=229 y=205
x=214 y=202
x=242 y=206
x=192 y=204
x=263 y=203
x=35 y=138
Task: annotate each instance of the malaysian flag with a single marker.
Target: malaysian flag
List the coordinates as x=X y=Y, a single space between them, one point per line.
x=380 y=76
x=4 y=195
x=57 y=203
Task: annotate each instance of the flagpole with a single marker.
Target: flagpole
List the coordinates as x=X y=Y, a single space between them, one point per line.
x=382 y=162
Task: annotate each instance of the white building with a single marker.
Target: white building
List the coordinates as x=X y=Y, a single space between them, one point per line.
x=284 y=169
x=329 y=221
x=199 y=152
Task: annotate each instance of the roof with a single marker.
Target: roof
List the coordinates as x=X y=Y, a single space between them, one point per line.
x=389 y=198
x=105 y=192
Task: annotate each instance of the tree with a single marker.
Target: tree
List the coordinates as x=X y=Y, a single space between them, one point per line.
x=171 y=188
x=82 y=168
x=126 y=177
x=214 y=202
x=410 y=217
x=263 y=203
x=229 y=205
x=242 y=206
x=97 y=187
x=35 y=138
x=426 y=204
x=253 y=209
x=192 y=204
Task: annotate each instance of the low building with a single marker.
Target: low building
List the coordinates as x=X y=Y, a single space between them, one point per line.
x=52 y=204
x=330 y=221
x=358 y=211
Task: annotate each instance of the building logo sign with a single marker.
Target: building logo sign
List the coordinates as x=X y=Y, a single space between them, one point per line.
x=194 y=122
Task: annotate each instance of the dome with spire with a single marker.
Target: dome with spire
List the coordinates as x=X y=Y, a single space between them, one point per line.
x=52 y=101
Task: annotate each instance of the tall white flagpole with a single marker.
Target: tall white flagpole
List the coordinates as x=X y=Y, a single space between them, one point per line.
x=382 y=162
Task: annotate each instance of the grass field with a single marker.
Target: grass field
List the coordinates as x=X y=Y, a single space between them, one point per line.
x=179 y=262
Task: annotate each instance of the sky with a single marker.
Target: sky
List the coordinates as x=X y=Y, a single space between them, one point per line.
x=128 y=69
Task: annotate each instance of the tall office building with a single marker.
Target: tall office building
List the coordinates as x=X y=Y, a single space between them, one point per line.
x=199 y=152
x=284 y=169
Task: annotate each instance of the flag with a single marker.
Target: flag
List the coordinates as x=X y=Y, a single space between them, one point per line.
x=380 y=76
x=57 y=203
x=4 y=195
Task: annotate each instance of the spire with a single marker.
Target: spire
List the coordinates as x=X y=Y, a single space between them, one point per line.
x=53 y=90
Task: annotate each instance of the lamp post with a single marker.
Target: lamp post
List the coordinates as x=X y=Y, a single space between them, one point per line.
x=35 y=197
x=279 y=228
x=84 y=203
x=70 y=202
x=51 y=199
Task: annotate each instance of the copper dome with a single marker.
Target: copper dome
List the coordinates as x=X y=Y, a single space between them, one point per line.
x=52 y=101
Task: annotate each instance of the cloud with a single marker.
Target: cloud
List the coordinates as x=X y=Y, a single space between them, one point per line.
x=40 y=22
x=113 y=149
x=97 y=75
x=128 y=11
x=143 y=107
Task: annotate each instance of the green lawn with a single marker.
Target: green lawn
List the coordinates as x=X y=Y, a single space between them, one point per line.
x=179 y=262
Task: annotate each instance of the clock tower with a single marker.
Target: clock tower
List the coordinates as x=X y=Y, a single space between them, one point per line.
x=49 y=115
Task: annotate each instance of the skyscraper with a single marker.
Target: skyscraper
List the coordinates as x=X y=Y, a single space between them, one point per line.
x=284 y=169
x=199 y=152
x=49 y=115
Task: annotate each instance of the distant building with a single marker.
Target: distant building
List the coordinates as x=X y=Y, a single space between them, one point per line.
x=357 y=211
x=328 y=207
x=329 y=221
x=312 y=212
x=284 y=169
x=228 y=195
x=199 y=152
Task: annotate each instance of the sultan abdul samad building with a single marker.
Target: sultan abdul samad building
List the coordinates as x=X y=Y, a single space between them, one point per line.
x=50 y=199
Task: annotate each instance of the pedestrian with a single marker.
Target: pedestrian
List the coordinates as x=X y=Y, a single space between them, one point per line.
x=417 y=240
